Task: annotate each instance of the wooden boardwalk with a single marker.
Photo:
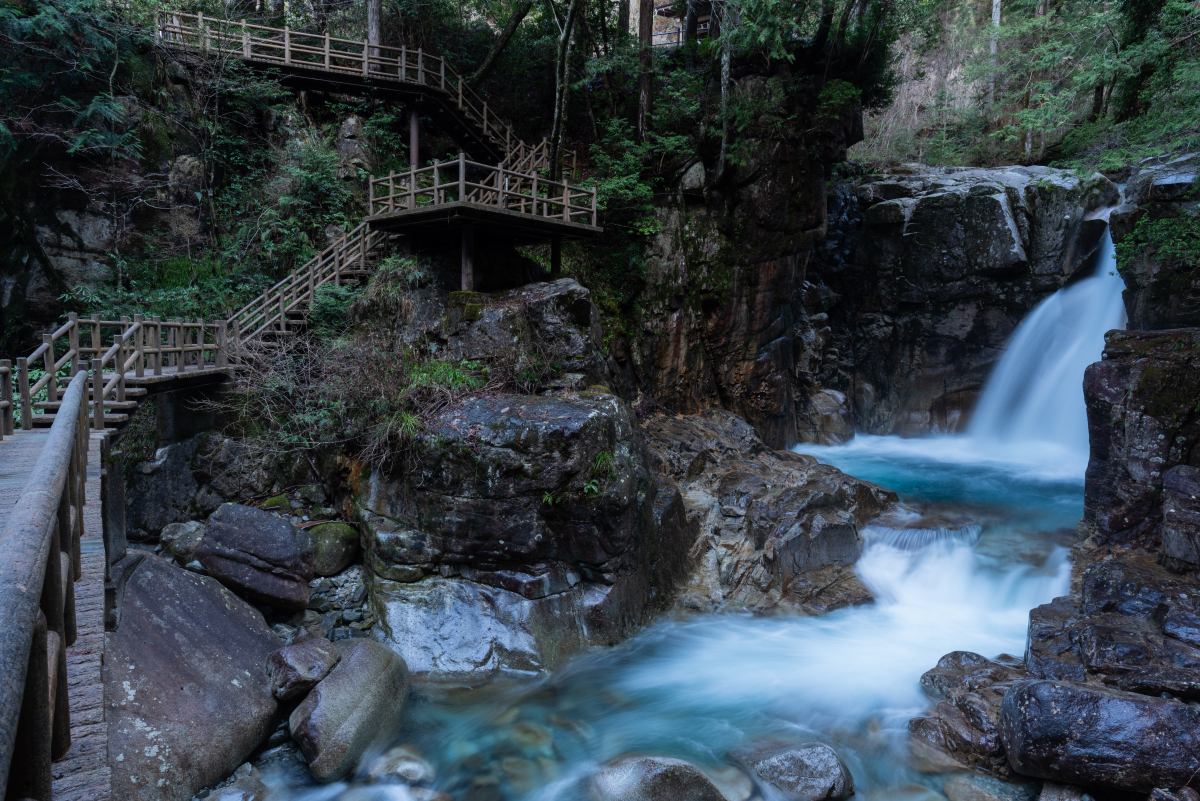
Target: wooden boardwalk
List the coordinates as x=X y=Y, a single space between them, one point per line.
x=83 y=773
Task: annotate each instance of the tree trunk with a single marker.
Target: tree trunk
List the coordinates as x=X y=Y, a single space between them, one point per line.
x=726 y=59
x=822 y=35
x=375 y=25
x=561 y=80
x=646 y=63
x=489 y=61
x=992 y=48
x=622 y=20
x=690 y=21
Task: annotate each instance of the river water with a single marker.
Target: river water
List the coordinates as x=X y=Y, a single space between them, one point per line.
x=1003 y=500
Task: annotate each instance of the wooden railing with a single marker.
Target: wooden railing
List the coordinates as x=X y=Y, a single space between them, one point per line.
x=37 y=603
x=139 y=346
x=491 y=185
x=349 y=256
x=286 y=47
x=6 y=398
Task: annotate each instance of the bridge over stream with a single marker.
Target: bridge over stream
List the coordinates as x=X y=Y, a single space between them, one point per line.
x=63 y=557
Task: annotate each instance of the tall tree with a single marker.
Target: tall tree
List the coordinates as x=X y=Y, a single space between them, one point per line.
x=375 y=26
x=489 y=61
x=993 y=46
x=646 y=66
x=622 y=20
x=561 y=83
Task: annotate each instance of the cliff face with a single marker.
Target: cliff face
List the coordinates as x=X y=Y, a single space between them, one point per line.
x=718 y=326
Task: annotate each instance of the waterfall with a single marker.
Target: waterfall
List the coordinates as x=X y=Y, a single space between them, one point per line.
x=1035 y=394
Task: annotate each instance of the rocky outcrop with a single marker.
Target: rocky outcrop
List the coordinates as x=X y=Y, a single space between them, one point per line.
x=188 y=480
x=778 y=529
x=922 y=281
x=187 y=696
x=1162 y=201
x=1072 y=732
x=1142 y=422
x=1105 y=675
x=359 y=704
x=534 y=521
x=259 y=556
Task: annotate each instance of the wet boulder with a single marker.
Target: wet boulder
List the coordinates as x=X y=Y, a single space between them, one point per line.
x=182 y=539
x=1181 y=513
x=188 y=699
x=296 y=669
x=1083 y=734
x=259 y=556
x=360 y=703
x=652 y=779
x=401 y=765
x=986 y=788
x=809 y=772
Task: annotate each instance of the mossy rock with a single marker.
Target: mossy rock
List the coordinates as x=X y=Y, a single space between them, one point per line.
x=280 y=503
x=337 y=546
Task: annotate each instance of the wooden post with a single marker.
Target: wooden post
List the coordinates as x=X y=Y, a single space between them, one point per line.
x=404 y=62
x=125 y=338
x=73 y=340
x=174 y=339
x=120 y=368
x=139 y=348
x=414 y=137
x=500 y=185
x=222 y=360
x=287 y=45
x=462 y=177
x=534 y=193
x=468 y=258
x=593 y=205
x=6 y=393
x=555 y=257
x=443 y=60
x=337 y=261
x=48 y=362
x=412 y=187
x=282 y=310
x=326 y=49
x=30 y=774
x=23 y=389
x=245 y=41
x=460 y=87
x=96 y=336
x=237 y=337
x=203 y=40
x=97 y=380
x=391 y=190
x=485 y=130
x=566 y=202
x=312 y=287
x=158 y=346
x=421 y=65
x=366 y=58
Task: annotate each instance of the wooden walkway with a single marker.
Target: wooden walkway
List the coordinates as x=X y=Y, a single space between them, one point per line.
x=83 y=773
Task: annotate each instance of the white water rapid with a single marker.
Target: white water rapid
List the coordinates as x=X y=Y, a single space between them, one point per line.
x=990 y=515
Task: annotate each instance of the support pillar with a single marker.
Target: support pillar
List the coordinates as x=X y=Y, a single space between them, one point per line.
x=556 y=257
x=414 y=137
x=468 y=258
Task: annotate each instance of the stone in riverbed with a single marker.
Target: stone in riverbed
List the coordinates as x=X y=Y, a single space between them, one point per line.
x=809 y=772
x=652 y=779
x=181 y=540
x=336 y=545
x=361 y=702
x=1076 y=733
x=403 y=765
x=298 y=668
x=188 y=698
x=985 y=788
x=1052 y=791
x=257 y=555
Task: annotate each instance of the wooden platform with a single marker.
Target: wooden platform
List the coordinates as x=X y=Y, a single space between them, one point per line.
x=487 y=220
x=83 y=774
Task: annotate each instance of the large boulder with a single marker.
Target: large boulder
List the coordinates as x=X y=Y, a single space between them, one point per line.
x=779 y=529
x=523 y=527
x=652 y=779
x=261 y=557
x=809 y=772
x=1082 y=734
x=296 y=669
x=336 y=546
x=188 y=699
x=360 y=703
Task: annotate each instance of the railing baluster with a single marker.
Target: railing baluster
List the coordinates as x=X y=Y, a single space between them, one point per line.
x=287 y=45
x=158 y=347
x=73 y=342
x=245 y=41
x=51 y=373
x=421 y=66
x=6 y=396
x=97 y=379
x=139 y=350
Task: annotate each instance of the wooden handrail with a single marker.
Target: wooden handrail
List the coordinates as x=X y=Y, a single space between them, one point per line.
x=41 y=538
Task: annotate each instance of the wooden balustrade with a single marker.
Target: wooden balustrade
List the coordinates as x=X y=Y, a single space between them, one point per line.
x=493 y=185
x=286 y=47
x=37 y=577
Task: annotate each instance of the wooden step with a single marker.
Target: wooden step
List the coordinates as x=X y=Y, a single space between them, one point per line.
x=125 y=406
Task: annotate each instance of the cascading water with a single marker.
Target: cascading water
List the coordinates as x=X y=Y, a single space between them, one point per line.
x=1035 y=393
x=981 y=542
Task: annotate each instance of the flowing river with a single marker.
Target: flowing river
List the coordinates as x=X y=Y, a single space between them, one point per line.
x=700 y=687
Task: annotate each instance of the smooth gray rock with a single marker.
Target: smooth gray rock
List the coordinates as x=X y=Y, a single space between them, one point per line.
x=360 y=703
x=259 y=556
x=1052 y=791
x=809 y=772
x=652 y=779
x=247 y=788
x=402 y=765
x=188 y=698
x=298 y=668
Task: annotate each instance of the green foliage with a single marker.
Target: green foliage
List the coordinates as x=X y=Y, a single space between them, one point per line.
x=329 y=313
x=1172 y=240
